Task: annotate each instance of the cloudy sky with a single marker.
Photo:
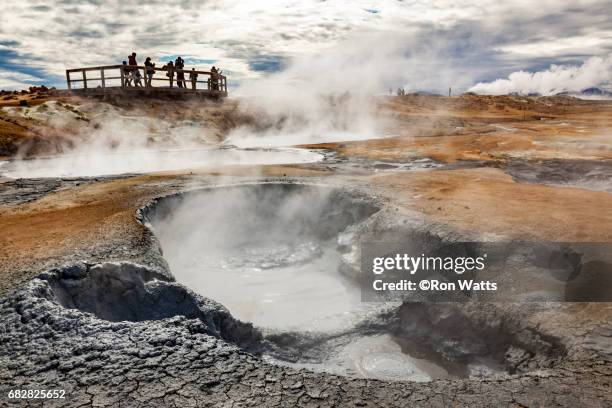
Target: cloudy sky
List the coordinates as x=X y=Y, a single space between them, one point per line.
x=417 y=44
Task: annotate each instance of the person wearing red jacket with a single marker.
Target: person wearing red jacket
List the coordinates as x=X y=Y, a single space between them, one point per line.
x=132 y=59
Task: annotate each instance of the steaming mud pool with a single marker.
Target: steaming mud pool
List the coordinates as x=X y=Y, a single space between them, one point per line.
x=92 y=164
x=274 y=256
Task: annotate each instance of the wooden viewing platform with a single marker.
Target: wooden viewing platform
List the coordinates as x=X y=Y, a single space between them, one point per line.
x=117 y=79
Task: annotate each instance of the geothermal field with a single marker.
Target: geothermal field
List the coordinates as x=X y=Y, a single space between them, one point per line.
x=185 y=252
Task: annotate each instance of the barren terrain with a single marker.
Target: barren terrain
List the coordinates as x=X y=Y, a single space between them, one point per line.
x=472 y=167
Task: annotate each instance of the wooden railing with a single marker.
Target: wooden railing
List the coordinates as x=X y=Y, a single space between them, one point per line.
x=115 y=76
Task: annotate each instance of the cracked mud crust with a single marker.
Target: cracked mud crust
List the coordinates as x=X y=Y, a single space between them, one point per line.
x=183 y=360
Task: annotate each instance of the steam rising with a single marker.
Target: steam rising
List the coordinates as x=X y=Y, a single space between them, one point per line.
x=595 y=71
x=329 y=96
x=99 y=139
x=148 y=161
x=317 y=98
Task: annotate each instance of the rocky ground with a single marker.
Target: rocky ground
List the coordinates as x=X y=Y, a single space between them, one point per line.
x=484 y=168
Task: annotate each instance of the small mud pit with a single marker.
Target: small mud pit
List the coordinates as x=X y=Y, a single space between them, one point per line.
x=593 y=175
x=120 y=292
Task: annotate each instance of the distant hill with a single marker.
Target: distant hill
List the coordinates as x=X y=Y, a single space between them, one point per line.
x=522 y=94
x=596 y=91
x=424 y=93
x=587 y=93
x=590 y=93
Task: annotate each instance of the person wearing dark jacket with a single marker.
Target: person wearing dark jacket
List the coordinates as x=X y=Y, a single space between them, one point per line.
x=179 y=64
x=149 y=71
x=214 y=79
x=170 y=73
x=193 y=77
x=127 y=78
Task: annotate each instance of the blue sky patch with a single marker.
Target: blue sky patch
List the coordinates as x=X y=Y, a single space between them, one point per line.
x=267 y=63
x=188 y=60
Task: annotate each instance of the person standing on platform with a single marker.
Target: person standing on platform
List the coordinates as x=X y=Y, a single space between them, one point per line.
x=170 y=71
x=179 y=64
x=149 y=71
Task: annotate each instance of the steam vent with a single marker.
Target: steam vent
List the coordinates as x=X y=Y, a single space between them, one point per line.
x=305 y=204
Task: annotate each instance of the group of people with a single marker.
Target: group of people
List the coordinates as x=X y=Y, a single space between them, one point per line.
x=132 y=76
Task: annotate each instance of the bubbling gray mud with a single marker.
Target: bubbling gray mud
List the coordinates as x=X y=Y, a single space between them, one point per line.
x=91 y=164
x=269 y=253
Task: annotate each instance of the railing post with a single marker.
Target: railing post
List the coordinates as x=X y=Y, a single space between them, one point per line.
x=122 y=77
x=102 y=77
x=84 y=79
x=68 y=80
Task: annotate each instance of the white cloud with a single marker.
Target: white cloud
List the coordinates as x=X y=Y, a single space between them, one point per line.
x=583 y=44
x=74 y=33
x=10 y=81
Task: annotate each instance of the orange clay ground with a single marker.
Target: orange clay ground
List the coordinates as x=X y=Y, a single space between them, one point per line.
x=51 y=229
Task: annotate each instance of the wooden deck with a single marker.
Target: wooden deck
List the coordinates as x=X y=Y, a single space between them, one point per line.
x=120 y=80
x=147 y=91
